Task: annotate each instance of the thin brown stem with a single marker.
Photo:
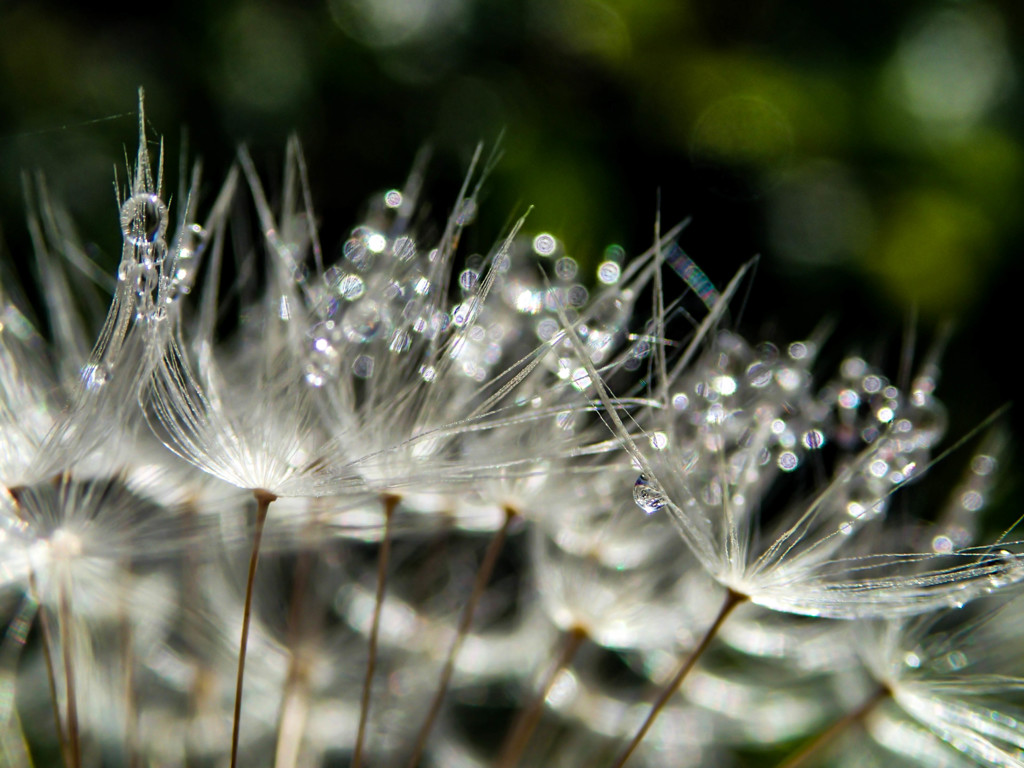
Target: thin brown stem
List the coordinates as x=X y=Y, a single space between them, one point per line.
x=390 y=503
x=263 y=501
x=291 y=723
x=519 y=736
x=189 y=600
x=71 y=698
x=732 y=599
x=294 y=702
x=51 y=673
x=807 y=753
x=190 y=603
x=483 y=577
x=131 y=718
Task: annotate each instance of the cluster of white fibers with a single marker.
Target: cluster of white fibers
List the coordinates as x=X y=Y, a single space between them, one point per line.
x=492 y=515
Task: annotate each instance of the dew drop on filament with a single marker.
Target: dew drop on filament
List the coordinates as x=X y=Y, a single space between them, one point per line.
x=646 y=496
x=1009 y=570
x=95 y=375
x=143 y=219
x=362 y=322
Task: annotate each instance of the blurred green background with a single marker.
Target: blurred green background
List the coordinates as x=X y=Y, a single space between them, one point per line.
x=871 y=152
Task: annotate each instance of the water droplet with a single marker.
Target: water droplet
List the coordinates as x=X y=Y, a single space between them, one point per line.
x=362 y=366
x=814 y=439
x=983 y=465
x=547 y=328
x=468 y=279
x=95 y=375
x=356 y=252
x=853 y=368
x=615 y=252
x=565 y=420
x=143 y=219
x=972 y=501
x=464 y=313
x=351 y=287
x=362 y=322
x=581 y=379
x=646 y=496
x=788 y=379
x=393 y=198
x=400 y=341
x=544 y=244
x=848 y=399
x=871 y=383
x=608 y=272
x=376 y=242
x=577 y=295
x=711 y=494
x=194 y=239
x=878 y=468
x=565 y=268
x=759 y=374
x=466 y=212
x=788 y=461
x=526 y=300
x=724 y=385
x=404 y=248
x=956 y=660
x=1010 y=570
x=798 y=350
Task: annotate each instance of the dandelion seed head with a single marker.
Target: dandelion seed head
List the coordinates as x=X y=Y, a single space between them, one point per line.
x=477 y=391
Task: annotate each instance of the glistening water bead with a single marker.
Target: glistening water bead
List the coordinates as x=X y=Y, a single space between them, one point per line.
x=362 y=323
x=143 y=219
x=646 y=496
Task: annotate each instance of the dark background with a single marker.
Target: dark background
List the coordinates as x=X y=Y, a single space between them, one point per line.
x=870 y=152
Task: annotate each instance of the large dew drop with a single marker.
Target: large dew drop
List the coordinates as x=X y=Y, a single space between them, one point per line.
x=143 y=219
x=646 y=496
x=362 y=323
x=1010 y=570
